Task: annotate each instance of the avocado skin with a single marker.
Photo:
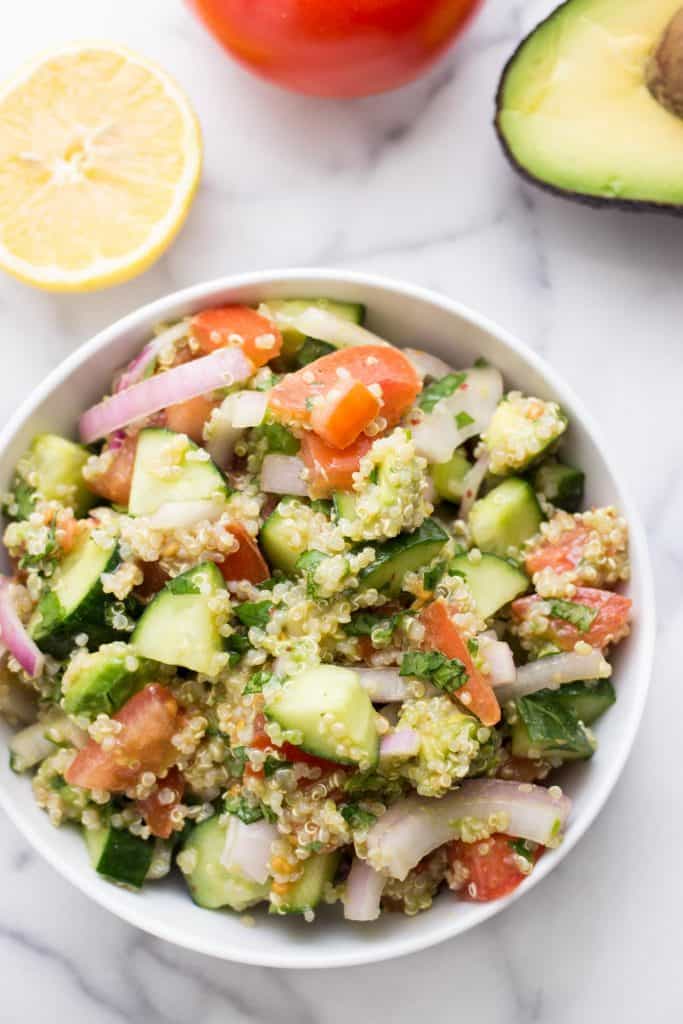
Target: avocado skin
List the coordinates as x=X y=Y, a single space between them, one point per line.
x=595 y=202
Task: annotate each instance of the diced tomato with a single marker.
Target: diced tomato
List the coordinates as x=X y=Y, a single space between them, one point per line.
x=562 y=555
x=114 y=483
x=609 y=625
x=247 y=563
x=344 y=413
x=149 y=720
x=262 y=741
x=189 y=417
x=442 y=635
x=158 y=814
x=330 y=469
x=492 y=866
x=256 y=335
x=291 y=399
x=154 y=579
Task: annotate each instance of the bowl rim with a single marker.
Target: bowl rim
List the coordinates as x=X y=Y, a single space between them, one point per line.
x=382 y=949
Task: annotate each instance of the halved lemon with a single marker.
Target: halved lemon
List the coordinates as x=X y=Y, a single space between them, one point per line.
x=100 y=155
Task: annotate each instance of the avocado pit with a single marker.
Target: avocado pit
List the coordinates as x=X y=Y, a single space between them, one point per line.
x=664 y=75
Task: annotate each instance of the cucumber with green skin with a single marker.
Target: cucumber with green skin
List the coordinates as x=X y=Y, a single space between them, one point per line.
x=158 y=479
x=178 y=627
x=545 y=726
x=52 y=469
x=449 y=477
x=74 y=601
x=585 y=700
x=508 y=516
x=211 y=885
x=283 y=310
x=493 y=581
x=403 y=554
x=307 y=892
x=118 y=855
x=102 y=681
x=561 y=484
x=275 y=540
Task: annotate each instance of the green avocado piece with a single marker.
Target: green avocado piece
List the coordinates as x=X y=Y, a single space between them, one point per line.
x=590 y=104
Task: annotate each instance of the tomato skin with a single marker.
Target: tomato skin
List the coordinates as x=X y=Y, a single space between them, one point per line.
x=609 y=626
x=158 y=815
x=442 y=635
x=189 y=417
x=330 y=469
x=215 y=328
x=563 y=555
x=247 y=563
x=340 y=421
x=149 y=720
x=341 y=48
x=492 y=867
x=289 y=752
x=114 y=483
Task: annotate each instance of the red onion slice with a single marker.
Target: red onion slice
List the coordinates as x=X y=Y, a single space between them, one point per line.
x=283 y=474
x=428 y=365
x=247 y=848
x=222 y=368
x=498 y=659
x=247 y=408
x=180 y=514
x=138 y=367
x=472 y=485
x=403 y=743
x=554 y=671
x=363 y=892
x=14 y=635
x=421 y=824
x=383 y=684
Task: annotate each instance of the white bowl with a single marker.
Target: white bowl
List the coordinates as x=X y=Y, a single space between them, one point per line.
x=406 y=315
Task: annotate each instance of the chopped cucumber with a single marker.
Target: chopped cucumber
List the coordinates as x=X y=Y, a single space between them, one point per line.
x=179 y=627
x=284 y=310
x=344 y=504
x=52 y=469
x=275 y=540
x=118 y=855
x=211 y=885
x=311 y=350
x=560 y=484
x=586 y=700
x=403 y=554
x=75 y=601
x=449 y=477
x=307 y=892
x=534 y=437
x=492 y=580
x=545 y=727
x=104 y=680
x=506 y=517
x=29 y=747
x=170 y=467
x=332 y=712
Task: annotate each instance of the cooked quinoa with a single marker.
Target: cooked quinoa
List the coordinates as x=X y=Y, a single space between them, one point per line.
x=265 y=638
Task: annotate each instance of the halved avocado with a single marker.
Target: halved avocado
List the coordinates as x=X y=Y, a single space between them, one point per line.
x=591 y=104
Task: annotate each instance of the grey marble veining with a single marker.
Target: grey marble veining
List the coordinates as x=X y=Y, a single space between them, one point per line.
x=412 y=185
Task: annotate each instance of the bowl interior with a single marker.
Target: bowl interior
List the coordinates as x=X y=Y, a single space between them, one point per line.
x=407 y=316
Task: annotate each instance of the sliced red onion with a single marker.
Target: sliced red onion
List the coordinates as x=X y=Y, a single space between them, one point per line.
x=220 y=434
x=283 y=474
x=180 y=514
x=14 y=635
x=383 y=684
x=326 y=326
x=247 y=848
x=420 y=825
x=554 y=671
x=498 y=659
x=426 y=364
x=478 y=397
x=222 y=368
x=402 y=743
x=247 y=408
x=363 y=892
x=474 y=478
x=139 y=367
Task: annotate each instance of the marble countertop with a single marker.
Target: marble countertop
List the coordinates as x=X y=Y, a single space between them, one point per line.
x=412 y=185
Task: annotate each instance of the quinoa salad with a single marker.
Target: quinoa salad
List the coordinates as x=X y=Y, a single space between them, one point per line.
x=307 y=619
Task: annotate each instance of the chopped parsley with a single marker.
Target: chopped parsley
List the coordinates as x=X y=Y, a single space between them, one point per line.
x=307 y=564
x=521 y=848
x=448 y=674
x=432 y=576
x=463 y=419
x=254 y=613
x=237 y=646
x=247 y=809
x=279 y=439
x=274 y=764
x=579 y=615
x=257 y=681
x=551 y=726
x=473 y=646
x=440 y=389
x=355 y=816
x=380 y=628
x=314 y=847
x=238 y=759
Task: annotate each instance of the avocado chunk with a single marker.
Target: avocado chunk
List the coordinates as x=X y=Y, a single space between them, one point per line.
x=590 y=104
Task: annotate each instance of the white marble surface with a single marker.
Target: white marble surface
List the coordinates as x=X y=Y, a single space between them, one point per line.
x=413 y=185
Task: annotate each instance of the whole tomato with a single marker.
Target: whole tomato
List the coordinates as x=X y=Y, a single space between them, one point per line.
x=336 y=47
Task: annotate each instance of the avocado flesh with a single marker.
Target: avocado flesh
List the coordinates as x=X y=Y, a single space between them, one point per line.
x=574 y=110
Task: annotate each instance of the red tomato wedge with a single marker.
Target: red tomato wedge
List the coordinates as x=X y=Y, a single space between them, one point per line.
x=114 y=483
x=330 y=469
x=344 y=413
x=189 y=417
x=563 y=555
x=247 y=563
x=157 y=812
x=256 y=335
x=442 y=635
x=288 y=751
x=609 y=625
x=492 y=865
x=149 y=720
x=291 y=399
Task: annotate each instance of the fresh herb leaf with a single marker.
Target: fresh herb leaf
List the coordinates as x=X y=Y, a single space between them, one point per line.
x=307 y=564
x=463 y=419
x=279 y=439
x=473 y=646
x=254 y=613
x=432 y=576
x=238 y=759
x=273 y=764
x=244 y=808
x=521 y=848
x=238 y=646
x=552 y=726
x=27 y=561
x=357 y=817
x=374 y=475
x=440 y=389
x=322 y=505
x=257 y=681
x=314 y=847
x=372 y=624
x=579 y=615
x=448 y=674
